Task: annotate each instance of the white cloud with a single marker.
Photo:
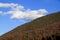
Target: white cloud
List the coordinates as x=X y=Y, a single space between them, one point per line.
x=12 y=5
x=19 y=12
x=7 y=5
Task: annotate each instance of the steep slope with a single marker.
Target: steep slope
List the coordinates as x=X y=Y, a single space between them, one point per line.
x=39 y=29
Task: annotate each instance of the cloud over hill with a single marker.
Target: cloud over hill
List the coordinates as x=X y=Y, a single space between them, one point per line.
x=19 y=12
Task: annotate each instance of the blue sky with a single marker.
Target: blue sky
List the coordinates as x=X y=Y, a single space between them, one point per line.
x=24 y=11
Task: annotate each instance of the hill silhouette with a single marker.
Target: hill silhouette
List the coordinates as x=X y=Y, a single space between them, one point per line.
x=44 y=28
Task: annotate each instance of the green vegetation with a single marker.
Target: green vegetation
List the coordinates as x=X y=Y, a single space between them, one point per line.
x=43 y=21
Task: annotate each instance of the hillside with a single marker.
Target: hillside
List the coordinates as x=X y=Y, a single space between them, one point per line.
x=47 y=27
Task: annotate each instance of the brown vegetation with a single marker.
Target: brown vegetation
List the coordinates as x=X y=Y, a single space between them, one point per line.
x=44 y=28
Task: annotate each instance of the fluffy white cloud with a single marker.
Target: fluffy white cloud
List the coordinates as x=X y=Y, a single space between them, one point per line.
x=7 y=5
x=12 y=5
x=19 y=12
